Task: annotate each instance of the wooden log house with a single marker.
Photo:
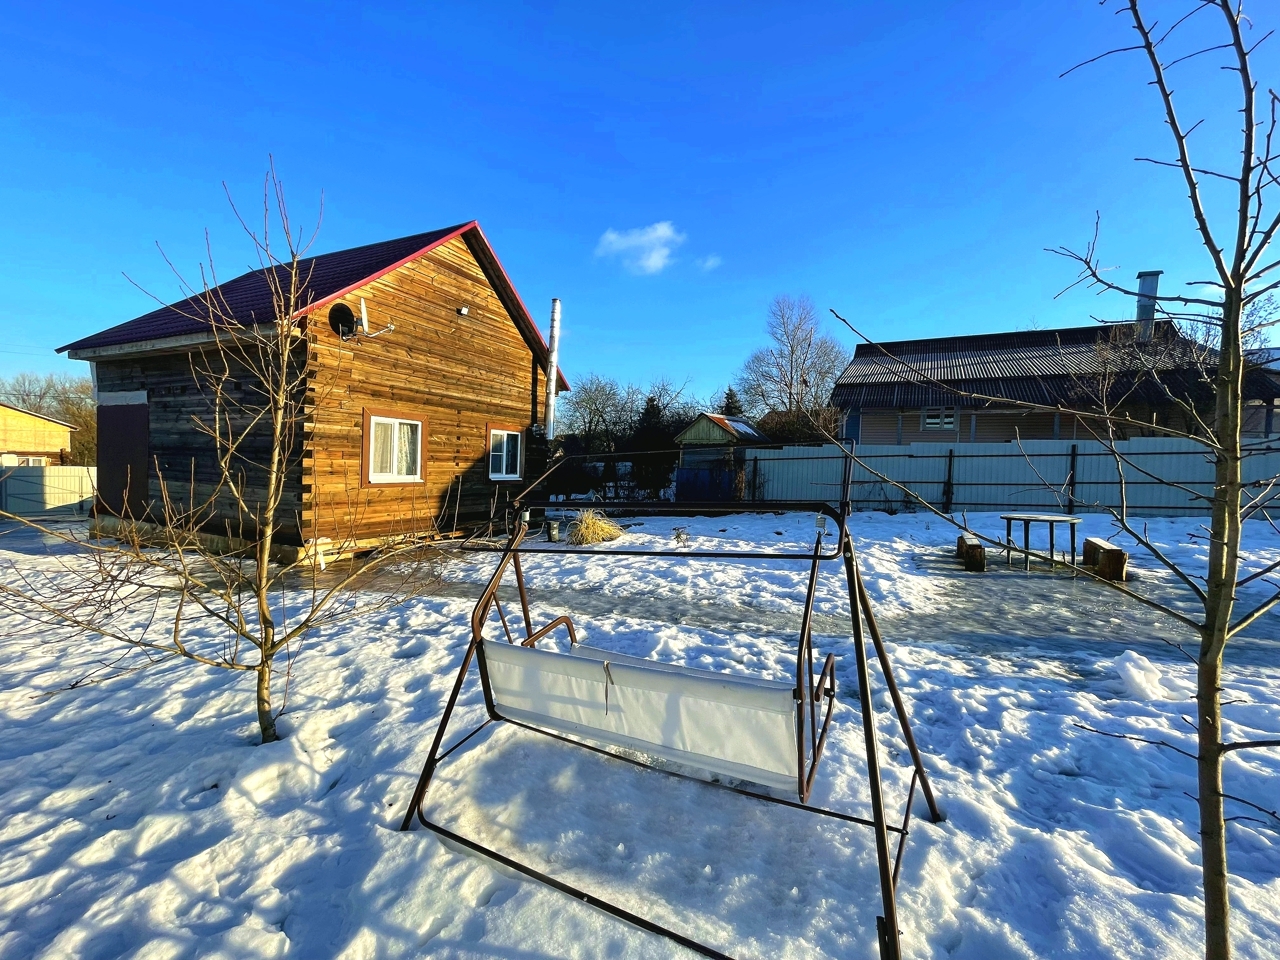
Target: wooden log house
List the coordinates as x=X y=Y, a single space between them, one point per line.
x=424 y=427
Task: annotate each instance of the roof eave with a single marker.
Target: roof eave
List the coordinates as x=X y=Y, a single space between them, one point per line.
x=157 y=345
x=469 y=231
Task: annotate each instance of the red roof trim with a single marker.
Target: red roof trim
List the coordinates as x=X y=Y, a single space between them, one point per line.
x=385 y=270
x=470 y=226
x=489 y=264
x=528 y=317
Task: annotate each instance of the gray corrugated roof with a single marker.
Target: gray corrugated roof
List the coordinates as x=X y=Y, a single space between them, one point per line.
x=1067 y=366
x=1070 y=351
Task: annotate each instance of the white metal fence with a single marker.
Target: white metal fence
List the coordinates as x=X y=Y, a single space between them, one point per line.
x=1162 y=476
x=33 y=491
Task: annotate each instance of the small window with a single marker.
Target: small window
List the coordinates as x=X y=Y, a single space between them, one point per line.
x=938 y=418
x=504 y=455
x=395 y=450
x=33 y=461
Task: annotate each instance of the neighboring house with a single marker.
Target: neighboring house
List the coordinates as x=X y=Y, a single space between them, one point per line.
x=711 y=461
x=32 y=440
x=951 y=388
x=409 y=428
x=711 y=436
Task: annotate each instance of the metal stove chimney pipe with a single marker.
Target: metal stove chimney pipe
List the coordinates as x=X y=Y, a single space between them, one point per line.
x=553 y=350
x=1145 y=325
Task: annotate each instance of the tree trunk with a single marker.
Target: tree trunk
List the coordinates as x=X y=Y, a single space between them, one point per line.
x=266 y=722
x=1220 y=583
x=1213 y=840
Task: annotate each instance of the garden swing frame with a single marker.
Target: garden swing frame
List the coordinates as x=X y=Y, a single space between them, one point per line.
x=812 y=692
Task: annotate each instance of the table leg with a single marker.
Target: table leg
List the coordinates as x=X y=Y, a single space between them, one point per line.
x=1053 y=561
x=1026 y=545
x=1008 y=543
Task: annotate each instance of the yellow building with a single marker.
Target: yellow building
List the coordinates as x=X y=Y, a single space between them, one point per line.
x=30 y=440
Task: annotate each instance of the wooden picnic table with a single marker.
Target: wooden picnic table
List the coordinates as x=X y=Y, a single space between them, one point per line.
x=1027 y=519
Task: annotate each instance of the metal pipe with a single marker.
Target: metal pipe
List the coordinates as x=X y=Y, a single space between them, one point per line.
x=524 y=597
x=478 y=616
x=581 y=895
x=906 y=823
x=878 y=642
x=805 y=653
x=890 y=947
x=424 y=780
x=553 y=373
x=781 y=801
x=689 y=507
x=697 y=554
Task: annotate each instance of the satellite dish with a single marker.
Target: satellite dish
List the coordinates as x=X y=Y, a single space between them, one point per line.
x=348 y=326
x=343 y=320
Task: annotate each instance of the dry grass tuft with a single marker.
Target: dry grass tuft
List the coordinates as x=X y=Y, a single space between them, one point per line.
x=592 y=526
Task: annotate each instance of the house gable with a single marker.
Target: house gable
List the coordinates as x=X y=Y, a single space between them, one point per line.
x=457 y=374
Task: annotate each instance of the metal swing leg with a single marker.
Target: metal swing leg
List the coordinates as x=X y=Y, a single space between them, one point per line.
x=886 y=668
x=490 y=596
x=429 y=768
x=887 y=924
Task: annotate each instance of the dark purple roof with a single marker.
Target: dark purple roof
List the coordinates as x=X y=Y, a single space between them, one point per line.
x=248 y=298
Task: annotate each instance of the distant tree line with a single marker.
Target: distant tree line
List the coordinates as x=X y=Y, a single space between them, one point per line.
x=620 y=437
x=62 y=397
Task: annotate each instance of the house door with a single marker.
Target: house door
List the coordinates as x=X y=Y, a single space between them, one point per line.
x=124 y=435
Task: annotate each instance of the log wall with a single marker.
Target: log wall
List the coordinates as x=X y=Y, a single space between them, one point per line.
x=458 y=374
x=182 y=462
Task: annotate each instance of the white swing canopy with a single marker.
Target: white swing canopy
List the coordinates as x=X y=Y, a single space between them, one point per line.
x=741 y=727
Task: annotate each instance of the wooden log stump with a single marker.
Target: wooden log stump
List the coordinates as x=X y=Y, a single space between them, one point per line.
x=1108 y=561
x=972 y=552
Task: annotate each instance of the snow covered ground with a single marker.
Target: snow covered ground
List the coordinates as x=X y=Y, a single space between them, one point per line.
x=138 y=819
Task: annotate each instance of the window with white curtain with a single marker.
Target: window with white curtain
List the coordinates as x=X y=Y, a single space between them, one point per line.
x=395 y=450
x=504 y=455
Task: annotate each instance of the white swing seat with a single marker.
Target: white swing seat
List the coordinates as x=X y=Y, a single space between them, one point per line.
x=741 y=727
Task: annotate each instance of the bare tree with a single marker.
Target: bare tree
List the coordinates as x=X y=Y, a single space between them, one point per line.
x=1236 y=245
x=1230 y=306
x=204 y=575
x=797 y=371
x=600 y=412
x=62 y=397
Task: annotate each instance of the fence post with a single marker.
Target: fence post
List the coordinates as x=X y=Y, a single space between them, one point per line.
x=948 y=488
x=846 y=480
x=1071 y=482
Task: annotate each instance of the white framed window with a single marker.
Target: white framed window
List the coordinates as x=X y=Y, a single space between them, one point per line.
x=395 y=450
x=33 y=461
x=504 y=454
x=938 y=418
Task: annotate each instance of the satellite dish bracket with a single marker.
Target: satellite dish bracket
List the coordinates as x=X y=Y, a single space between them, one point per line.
x=347 y=326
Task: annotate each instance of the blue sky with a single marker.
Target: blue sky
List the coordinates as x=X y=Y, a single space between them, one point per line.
x=664 y=170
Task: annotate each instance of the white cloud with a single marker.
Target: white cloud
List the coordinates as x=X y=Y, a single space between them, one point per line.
x=644 y=249
x=709 y=262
